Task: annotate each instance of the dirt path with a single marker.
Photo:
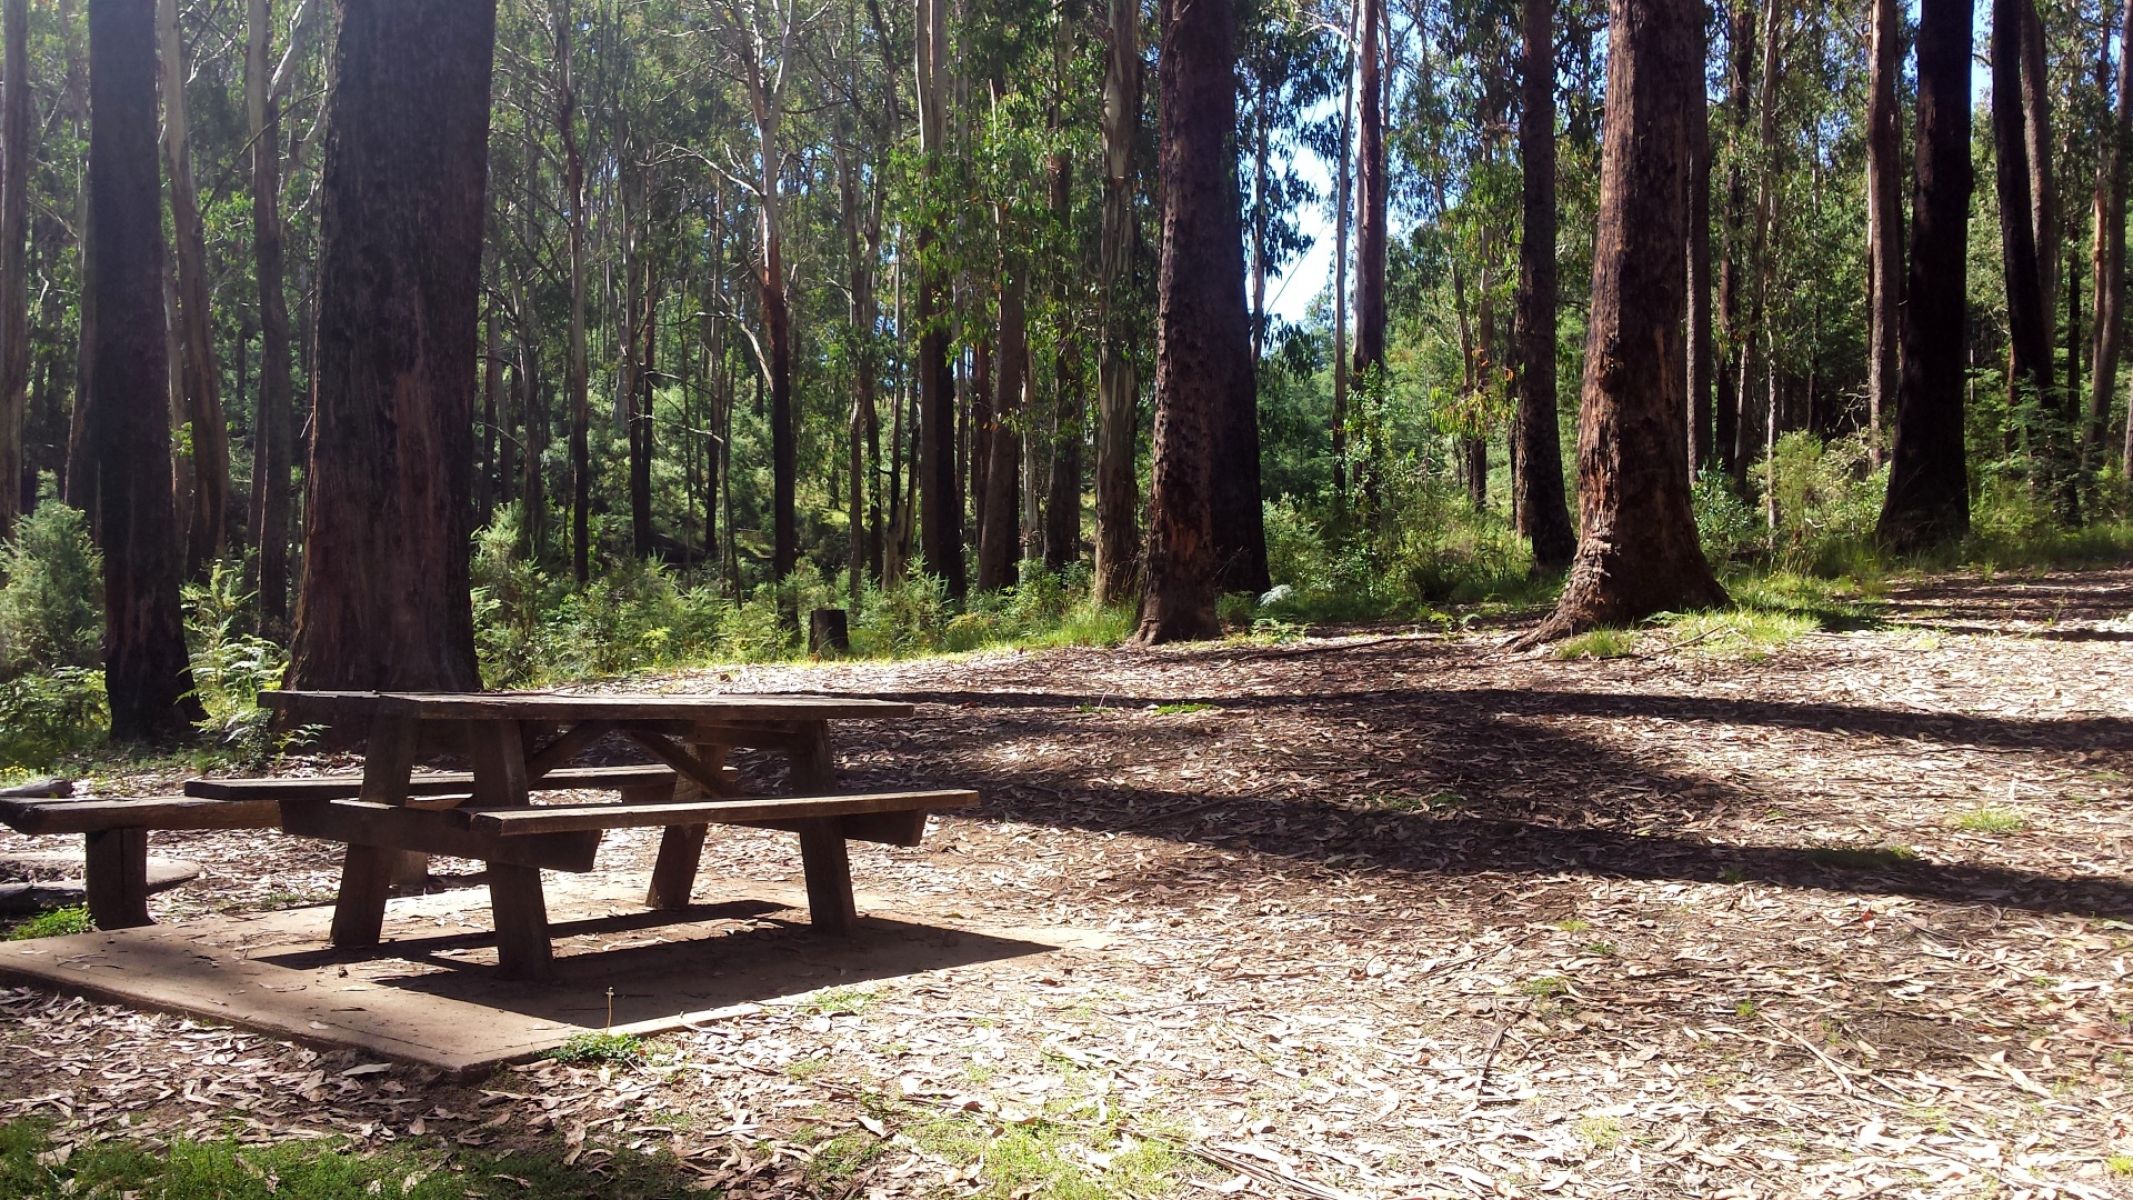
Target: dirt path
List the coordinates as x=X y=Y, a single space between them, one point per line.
x=1398 y=914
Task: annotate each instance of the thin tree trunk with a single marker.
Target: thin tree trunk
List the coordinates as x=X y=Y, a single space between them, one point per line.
x=1638 y=553
x=14 y=257
x=384 y=599
x=1733 y=269
x=2029 y=329
x=1700 y=367
x=1203 y=329
x=999 y=542
x=1760 y=255
x=1117 y=375
x=1884 y=222
x=576 y=370
x=272 y=445
x=940 y=501
x=80 y=486
x=1343 y=194
x=1928 y=499
x=1062 y=508
x=1371 y=240
x=2110 y=255
x=146 y=675
x=200 y=374
x=1541 y=509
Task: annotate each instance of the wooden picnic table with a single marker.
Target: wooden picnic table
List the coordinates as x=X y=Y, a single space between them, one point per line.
x=516 y=739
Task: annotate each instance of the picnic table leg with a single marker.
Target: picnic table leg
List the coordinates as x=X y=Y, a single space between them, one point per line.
x=515 y=900
x=116 y=878
x=681 y=847
x=813 y=771
x=367 y=871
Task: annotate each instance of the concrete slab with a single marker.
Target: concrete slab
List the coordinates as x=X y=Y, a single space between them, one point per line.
x=430 y=995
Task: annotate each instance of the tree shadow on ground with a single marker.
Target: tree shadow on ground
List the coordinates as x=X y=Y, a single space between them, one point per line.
x=1489 y=780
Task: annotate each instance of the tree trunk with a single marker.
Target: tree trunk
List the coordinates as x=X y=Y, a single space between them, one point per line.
x=146 y=675
x=492 y=381
x=576 y=370
x=1760 y=256
x=999 y=545
x=14 y=256
x=1638 y=553
x=2029 y=327
x=1541 y=509
x=940 y=501
x=1733 y=270
x=1884 y=221
x=1928 y=499
x=384 y=598
x=643 y=376
x=1239 y=509
x=200 y=374
x=1370 y=197
x=1700 y=367
x=1203 y=330
x=1062 y=506
x=80 y=486
x=272 y=403
x=1117 y=375
x=2110 y=255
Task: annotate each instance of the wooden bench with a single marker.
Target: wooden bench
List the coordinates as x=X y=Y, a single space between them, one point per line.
x=565 y=837
x=115 y=830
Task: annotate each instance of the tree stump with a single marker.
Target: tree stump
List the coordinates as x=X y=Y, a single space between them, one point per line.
x=829 y=633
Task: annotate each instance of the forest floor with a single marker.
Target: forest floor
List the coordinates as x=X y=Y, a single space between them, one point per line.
x=1393 y=912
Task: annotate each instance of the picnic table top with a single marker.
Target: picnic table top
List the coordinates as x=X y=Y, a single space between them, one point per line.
x=563 y=706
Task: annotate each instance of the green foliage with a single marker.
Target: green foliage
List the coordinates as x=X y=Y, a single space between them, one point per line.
x=1826 y=498
x=49 y=717
x=1598 y=643
x=57 y=922
x=603 y=1047
x=51 y=600
x=230 y=666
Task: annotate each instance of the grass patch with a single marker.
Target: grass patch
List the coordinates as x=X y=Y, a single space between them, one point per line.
x=1864 y=858
x=2119 y=1164
x=1182 y=709
x=1599 y=643
x=33 y=1169
x=1988 y=819
x=1046 y=1159
x=605 y=1047
x=1574 y=925
x=1545 y=986
x=1743 y=634
x=1604 y=1133
x=57 y=922
x=839 y=1001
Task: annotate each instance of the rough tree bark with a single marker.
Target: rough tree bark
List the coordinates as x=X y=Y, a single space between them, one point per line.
x=1062 y=505
x=14 y=256
x=999 y=542
x=384 y=597
x=1117 y=375
x=145 y=672
x=1928 y=499
x=2109 y=263
x=1371 y=246
x=1699 y=369
x=576 y=370
x=1343 y=197
x=940 y=500
x=1884 y=220
x=1203 y=330
x=1638 y=552
x=1542 y=510
x=200 y=376
x=2028 y=323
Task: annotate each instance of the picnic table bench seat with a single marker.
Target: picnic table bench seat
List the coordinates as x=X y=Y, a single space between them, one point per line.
x=115 y=829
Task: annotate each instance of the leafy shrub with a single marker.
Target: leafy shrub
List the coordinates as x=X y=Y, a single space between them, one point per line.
x=904 y=617
x=1826 y=498
x=51 y=605
x=1730 y=528
x=50 y=716
x=230 y=666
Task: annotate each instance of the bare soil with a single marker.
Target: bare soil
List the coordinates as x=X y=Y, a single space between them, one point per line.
x=1394 y=913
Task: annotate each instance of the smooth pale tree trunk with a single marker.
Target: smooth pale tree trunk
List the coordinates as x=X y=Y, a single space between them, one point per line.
x=79 y=488
x=1884 y=221
x=1733 y=269
x=2110 y=256
x=272 y=444
x=1117 y=377
x=199 y=376
x=1541 y=509
x=14 y=256
x=1928 y=501
x=146 y=675
x=1062 y=505
x=1203 y=330
x=1759 y=259
x=940 y=500
x=1343 y=199
x=384 y=599
x=1637 y=551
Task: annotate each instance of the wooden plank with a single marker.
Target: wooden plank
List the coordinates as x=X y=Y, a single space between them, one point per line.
x=426 y=783
x=39 y=789
x=906 y=829
x=706 y=776
x=116 y=878
x=562 y=708
x=828 y=864
x=557 y=818
x=368 y=869
x=91 y=816
x=389 y=826
x=567 y=745
x=498 y=750
x=681 y=847
x=811 y=766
